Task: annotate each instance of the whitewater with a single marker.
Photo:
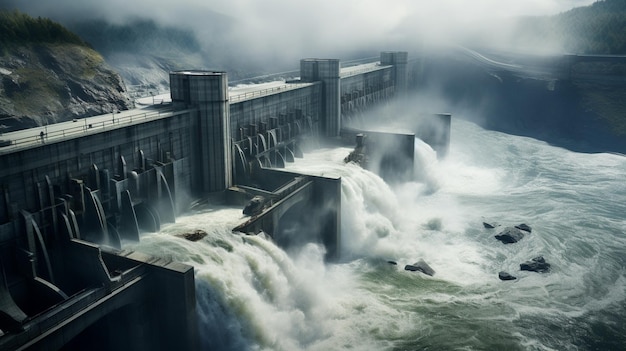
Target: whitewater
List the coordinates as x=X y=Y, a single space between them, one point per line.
x=252 y=295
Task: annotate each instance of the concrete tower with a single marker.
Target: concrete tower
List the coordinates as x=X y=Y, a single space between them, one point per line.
x=328 y=72
x=397 y=59
x=207 y=92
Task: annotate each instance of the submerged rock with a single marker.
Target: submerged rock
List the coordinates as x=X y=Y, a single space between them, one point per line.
x=489 y=225
x=420 y=266
x=537 y=264
x=506 y=276
x=525 y=227
x=510 y=235
x=394 y=263
x=193 y=236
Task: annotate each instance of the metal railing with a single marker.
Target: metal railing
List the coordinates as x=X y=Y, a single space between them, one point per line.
x=86 y=127
x=267 y=77
x=263 y=92
x=369 y=68
x=360 y=61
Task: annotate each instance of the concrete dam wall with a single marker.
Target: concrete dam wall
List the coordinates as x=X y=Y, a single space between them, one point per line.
x=70 y=200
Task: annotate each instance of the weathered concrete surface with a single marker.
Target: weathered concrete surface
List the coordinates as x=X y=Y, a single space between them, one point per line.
x=109 y=179
x=390 y=155
x=113 y=308
x=304 y=209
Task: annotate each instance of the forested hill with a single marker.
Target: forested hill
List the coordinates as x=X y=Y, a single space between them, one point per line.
x=599 y=28
x=596 y=29
x=17 y=28
x=142 y=50
x=49 y=74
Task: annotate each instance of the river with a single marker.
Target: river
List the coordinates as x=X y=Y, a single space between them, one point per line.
x=254 y=296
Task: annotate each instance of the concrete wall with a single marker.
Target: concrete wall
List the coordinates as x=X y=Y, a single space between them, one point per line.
x=270 y=129
x=23 y=172
x=74 y=189
x=108 y=185
x=398 y=60
x=362 y=91
x=304 y=209
x=118 y=309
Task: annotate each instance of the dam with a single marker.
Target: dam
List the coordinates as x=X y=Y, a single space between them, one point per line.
x=75 y=192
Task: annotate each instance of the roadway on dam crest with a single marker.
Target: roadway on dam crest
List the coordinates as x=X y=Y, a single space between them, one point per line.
x=32 y=137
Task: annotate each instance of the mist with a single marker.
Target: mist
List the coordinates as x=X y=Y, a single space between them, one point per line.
x=281 y=32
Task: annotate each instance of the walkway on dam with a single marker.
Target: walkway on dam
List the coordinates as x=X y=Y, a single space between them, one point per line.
x=148 y=108
x=242 y=92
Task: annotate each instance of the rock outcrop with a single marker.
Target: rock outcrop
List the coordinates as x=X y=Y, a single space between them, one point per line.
x=45 y=83
x=510 y=235
x=506 y=276
x=525 y=227
x=195 y=235
x=537 y=264
x=255 y=206
x=420 y=266
x=490 y=225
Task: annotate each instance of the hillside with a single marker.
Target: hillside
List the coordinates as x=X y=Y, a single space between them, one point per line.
x=48 y=75
x=596 y=29
x=599 y=28
x=142 y=51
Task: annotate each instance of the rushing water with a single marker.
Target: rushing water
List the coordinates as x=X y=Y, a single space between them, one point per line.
x=253 y=296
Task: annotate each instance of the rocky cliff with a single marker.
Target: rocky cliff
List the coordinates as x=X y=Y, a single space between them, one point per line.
x=44 y=83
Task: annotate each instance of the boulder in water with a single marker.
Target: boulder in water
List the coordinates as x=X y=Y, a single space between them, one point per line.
x=193 y=236
x=510 y=235
x=506 y=276
x=489 y=225
x=525 y=227
x=254 y=206
x=420 y=266
x=537 y=264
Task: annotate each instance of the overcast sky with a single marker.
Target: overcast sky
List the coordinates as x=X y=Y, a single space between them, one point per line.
x=298 y=28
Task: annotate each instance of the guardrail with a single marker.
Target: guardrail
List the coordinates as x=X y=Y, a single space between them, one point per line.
x=263 y=92
x=356 y=62
x=79 y=127
x=354 y=72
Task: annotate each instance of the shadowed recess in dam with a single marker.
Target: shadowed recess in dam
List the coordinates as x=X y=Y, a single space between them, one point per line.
x=252 y=295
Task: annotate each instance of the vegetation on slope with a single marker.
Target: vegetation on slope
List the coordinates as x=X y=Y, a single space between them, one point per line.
x=19 y=28
x=142 y=50
x=596 y=29
x=599 y=28
x=139 y=36
x=48 y=74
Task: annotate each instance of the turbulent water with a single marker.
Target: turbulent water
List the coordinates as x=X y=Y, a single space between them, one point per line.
x=252 y=295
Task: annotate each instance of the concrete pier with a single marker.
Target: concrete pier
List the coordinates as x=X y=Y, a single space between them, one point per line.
x=328 y=72
x=207 y=94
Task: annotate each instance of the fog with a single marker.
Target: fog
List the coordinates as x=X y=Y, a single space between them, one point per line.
x=282 y=31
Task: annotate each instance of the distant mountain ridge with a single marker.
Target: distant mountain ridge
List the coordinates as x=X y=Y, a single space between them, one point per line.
x=48 y=75
x=599 y=28
x=142 y=51
x=596 y=29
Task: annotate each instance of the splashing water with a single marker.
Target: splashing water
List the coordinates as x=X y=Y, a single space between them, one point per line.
x=253 y=296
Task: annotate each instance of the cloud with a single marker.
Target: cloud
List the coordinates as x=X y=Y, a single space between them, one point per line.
x=285 y=30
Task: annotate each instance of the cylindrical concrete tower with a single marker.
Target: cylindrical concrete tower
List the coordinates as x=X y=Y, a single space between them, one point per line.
x=207 y=92
x=397 y=59
x=328 y=72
